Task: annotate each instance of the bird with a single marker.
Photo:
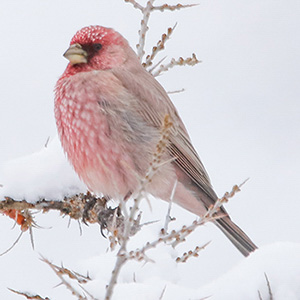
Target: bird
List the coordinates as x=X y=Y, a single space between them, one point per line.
x=109 y=112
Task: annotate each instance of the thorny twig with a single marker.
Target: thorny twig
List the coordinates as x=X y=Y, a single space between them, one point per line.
x=146 y=11
x=191 y=253
x=144 y=25
x=173 y=238
x=23 y=218
x=210 y=214
x=178 y=236
x=173 y=7
x=190 y=61
x=215 y=208
x=176 y=92
x=168 y=217
x=115 y=225
x=135 y=4
x=71 y=274
x=29 y=296
x=269 y=289
x=13 y=245
x=61 y=272
x=73 y=206
x=162 y=293
x=159 y=47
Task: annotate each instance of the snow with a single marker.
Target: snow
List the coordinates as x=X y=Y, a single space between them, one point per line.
x=45 y=174
x=241 y=107
x=279 y=261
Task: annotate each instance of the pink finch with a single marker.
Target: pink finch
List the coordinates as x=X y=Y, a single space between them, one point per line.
x=109 y=111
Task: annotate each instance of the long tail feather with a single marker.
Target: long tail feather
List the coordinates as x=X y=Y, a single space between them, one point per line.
x=236 y=235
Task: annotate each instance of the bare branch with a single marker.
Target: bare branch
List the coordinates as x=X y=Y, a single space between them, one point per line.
x=159 y=47
x=173 y=238
x=71 y=274
x=13 y=245
x=210 y=214
x=73 y=206
x=162 y=293
x=135 y=4
x=215 y=208
x=47 y=141
x=146 y=11
x=144 y=28
x=63 y=271
x=168 y=217
x=190 y=61
x=29 y=296
x=269 y=289
x=191 y=253
x=172 y=7
x=156 y=65
x=176 y=92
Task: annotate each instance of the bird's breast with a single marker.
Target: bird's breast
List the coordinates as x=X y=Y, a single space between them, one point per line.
x=109 y=147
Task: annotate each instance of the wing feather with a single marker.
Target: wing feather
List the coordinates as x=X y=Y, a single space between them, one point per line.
x=153 y=105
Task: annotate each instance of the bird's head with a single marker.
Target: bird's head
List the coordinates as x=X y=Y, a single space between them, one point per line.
x=96 y=48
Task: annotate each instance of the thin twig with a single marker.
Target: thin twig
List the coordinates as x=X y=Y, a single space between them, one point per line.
x=135 y=4
x=60 y=274
x=73 y=206
x=29 y=296
x=144 y=28
x=211 y=213
x=156 y=65
x=47 y=141
x=269 y=288
x=191 y=253
x=13 y=245
x=174 y=237
x=172 y=7
x=162 y=293
x=159 y=47
x=168 y=217
x=190 y=61
x=176 y=92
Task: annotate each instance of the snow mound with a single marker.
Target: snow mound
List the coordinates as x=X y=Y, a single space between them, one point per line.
x=43 y=174
x=280 y=262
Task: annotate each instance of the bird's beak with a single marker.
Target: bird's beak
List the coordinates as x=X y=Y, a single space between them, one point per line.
x=76 y=55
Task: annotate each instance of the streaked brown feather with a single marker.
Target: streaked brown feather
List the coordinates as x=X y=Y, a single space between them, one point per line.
x=154 y=111
x=153 y=105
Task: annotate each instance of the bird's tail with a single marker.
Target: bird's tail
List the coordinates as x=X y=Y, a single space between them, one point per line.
x=236 y=235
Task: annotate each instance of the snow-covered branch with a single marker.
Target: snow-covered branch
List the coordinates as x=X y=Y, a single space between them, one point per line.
x=84 y=207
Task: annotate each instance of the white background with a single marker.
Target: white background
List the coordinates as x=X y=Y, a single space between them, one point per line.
x=241 y=108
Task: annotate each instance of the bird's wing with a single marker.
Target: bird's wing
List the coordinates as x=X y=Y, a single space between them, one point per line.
x=154 y=105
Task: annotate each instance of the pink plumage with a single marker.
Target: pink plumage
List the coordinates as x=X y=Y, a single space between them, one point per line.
x=109 y=111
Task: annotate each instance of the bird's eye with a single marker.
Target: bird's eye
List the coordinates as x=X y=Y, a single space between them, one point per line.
x=97 y=47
